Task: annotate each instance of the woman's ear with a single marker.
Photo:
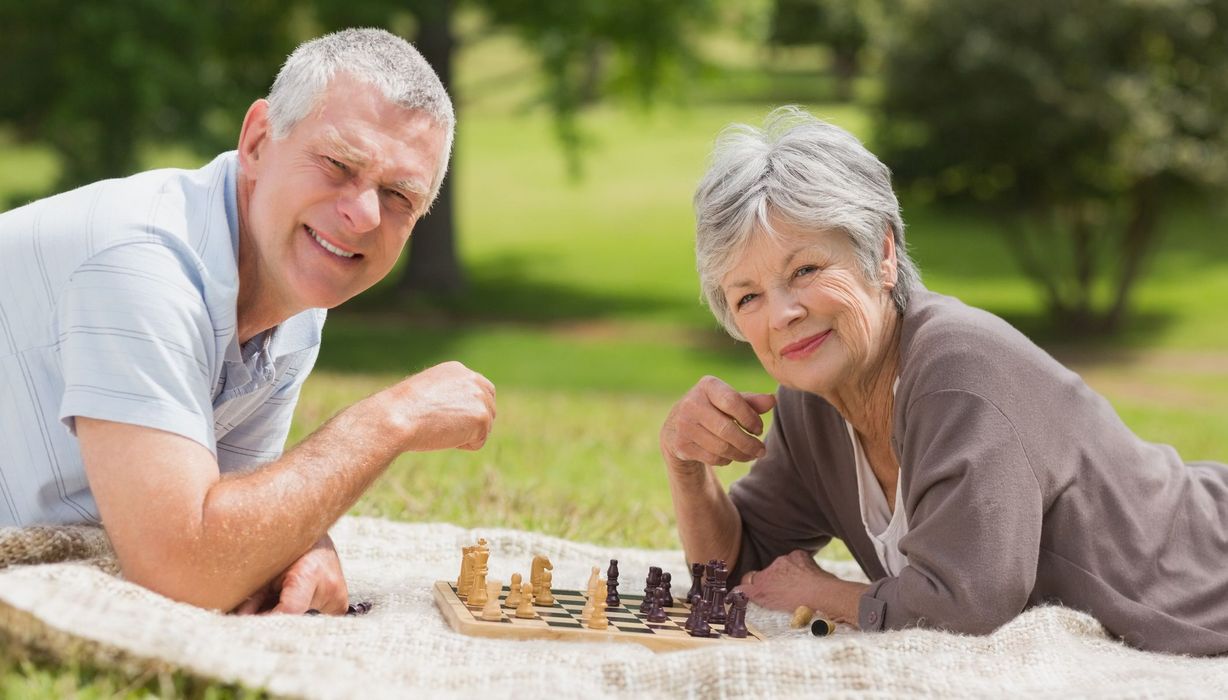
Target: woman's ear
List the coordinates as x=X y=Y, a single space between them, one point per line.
x=888 y=269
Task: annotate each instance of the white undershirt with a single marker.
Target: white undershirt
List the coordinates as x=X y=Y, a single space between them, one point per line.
x=884 y=526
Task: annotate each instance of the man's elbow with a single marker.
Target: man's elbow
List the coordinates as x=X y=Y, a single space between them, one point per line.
x=184 y=577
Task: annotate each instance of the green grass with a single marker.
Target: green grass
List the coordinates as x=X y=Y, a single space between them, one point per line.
x=584 y=311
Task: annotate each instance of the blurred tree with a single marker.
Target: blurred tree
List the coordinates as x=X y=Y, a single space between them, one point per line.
x=97 y=80
x=646 y=39
x=836 y=24
x=1072 y=122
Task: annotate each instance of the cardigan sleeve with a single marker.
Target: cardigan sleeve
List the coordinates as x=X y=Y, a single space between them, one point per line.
x=974 y=508
x=777 y=503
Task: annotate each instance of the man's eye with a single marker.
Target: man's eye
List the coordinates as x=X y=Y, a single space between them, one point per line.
x=337 y=165
x=399 y=199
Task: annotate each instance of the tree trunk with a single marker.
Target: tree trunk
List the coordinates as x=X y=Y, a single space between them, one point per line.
x=433 y=268
x=1138 y=242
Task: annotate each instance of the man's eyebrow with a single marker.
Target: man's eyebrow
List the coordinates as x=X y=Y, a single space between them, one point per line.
x=343 y=149
x=410 y=187
x=359 y=158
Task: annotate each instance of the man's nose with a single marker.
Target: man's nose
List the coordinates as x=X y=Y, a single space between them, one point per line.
x=359 y=207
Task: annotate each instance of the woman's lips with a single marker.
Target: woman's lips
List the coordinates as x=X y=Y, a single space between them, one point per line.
x=804 y=347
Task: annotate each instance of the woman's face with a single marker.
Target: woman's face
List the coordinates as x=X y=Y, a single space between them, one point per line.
x=815 y=322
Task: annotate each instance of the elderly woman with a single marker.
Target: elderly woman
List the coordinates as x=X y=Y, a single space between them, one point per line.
x=968 y=472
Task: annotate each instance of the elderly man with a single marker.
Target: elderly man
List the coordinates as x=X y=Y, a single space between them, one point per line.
x=155 y=332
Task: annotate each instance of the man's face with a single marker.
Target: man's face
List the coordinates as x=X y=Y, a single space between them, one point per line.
x=332 y=203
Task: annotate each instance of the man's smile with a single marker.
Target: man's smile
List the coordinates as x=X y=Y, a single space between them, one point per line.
x=334 y=249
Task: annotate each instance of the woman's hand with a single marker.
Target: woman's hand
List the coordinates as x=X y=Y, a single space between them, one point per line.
x=713 y=424
x=795 y=579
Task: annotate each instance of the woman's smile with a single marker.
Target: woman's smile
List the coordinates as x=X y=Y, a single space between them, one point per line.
x=805 y=347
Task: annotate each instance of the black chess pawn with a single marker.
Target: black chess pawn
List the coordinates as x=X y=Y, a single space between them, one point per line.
x=700 y=627
x=697 y=581
x=654 y=580
x=611 y=579
x=690 y=619
x=667 y=596
x=656 y=612
x=736 y=626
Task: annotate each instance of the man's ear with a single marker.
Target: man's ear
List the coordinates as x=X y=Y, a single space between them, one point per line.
x=256 y=133
x=889 y=269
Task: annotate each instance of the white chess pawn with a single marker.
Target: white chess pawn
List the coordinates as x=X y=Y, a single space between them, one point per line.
x=525 y=609
x=547 y=596
x=491 y=610
x=513 y=592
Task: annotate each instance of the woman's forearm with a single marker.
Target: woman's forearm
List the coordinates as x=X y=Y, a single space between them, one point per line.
x=708 y=522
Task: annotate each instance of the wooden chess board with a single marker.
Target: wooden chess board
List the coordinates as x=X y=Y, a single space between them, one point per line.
x=562 y=621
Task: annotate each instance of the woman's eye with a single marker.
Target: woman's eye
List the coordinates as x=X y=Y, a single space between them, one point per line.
x=805 y=270
x=746 y=300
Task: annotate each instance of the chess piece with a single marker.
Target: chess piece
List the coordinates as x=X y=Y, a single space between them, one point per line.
x=546 y=597
x=590 y=594
x=540 y=564
x=822 y=628
x=593 y=578
x=736 y=626
x=525 y=609
x=667 y=596
x=478 y=595
x=597 y=620
x=697 y=581
x=650 y=586
x=801 y=616
x=513 y=592
x=465 y=586
x=589 y=606
x=491 y=610
x=700 y=627
x=716 y=611
x=656 y=613
x=690 y=619
x=480 y=553
x=611 y=580
x=463 y=579
x=709 y=581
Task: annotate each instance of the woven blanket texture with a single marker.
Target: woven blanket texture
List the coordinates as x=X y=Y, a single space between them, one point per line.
x=58 y=592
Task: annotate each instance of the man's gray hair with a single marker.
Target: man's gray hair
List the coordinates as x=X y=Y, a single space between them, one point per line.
x=372 y=56
x=803 y=172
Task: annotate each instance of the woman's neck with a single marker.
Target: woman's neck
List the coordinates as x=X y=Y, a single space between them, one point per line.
x=867 y=400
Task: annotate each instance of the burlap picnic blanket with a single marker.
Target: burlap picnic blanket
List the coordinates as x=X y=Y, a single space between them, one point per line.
x=59 y=593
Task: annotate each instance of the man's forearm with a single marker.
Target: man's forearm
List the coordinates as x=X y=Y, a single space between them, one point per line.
x=252 y=525
x=708 y=522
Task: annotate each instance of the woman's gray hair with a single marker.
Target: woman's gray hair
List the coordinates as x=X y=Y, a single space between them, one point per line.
x=372 y=56
x=806 y=173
